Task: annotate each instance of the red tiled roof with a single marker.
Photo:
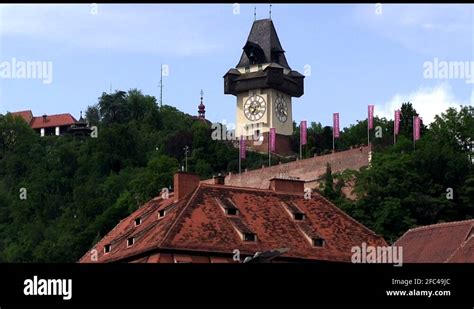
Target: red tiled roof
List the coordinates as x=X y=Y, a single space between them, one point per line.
x=439 y=243
x=465 y=253
x=197 y=223
x=26 y=115
x=58 y=120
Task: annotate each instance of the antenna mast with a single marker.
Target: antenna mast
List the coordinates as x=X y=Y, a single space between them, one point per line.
x=161 y=85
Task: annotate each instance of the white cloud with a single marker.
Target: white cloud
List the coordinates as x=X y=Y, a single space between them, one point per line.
x=427 y=101
x=128 y=28
x=433 y=29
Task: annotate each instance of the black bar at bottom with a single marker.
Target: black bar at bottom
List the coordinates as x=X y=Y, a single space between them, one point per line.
x=299 y=283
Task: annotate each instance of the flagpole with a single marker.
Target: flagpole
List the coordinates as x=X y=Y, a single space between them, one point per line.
x=394 y=135
x=301 y=146
x=269 y=152
x=240 y=155
x=333 y=139
x=368 y=132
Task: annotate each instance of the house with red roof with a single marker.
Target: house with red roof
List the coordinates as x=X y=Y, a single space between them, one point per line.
x=451 y=242
x=215 y=223
x=47 y=125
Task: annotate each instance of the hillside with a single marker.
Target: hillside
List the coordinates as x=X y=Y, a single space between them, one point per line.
x=58 y=196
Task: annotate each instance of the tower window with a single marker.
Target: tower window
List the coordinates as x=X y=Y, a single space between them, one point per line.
x=130 y=241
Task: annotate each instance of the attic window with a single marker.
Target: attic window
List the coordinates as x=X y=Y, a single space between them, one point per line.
x=228 y=206
x=298 y=216
x=250 y=237
x=106 y=248
x=231 y=212
x=163 y=212
x=311 y=235
x=259 y=67
x=247 y=69
x=294 y=211
x=138 y=221
x=245 y=232
x=318 y=242
x=130 y=241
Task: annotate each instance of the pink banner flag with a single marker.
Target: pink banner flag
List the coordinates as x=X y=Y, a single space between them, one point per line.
x=397 y=122
x=371 y=116
x=335 y=125
x=303 y=132
x=416 y=128
x=242 y=148
x=272 y=139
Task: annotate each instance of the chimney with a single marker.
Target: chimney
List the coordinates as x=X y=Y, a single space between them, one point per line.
x=287 y=185
x=218 y=180
x=44 y=118
x=184 y=183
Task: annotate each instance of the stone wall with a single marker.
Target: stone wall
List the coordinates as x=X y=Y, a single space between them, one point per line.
x=309 y=170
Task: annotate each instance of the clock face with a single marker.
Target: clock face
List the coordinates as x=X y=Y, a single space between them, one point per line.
x=281 y=108
x=255 y=107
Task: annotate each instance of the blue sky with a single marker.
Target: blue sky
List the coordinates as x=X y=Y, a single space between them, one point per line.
x=358 y=55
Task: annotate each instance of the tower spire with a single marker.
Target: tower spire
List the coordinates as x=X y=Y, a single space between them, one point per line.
x=254 y=13
x=202 y=108
x=270 y=12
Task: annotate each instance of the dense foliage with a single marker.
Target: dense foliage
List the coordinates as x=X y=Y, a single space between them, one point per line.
x=60 y=195
x=406 y=187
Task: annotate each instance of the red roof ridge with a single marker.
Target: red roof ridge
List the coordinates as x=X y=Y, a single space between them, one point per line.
x=250 y=189
x=178 y=216
x=439 y=225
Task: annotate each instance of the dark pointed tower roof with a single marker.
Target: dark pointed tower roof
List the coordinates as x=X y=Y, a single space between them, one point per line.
x=263 y=45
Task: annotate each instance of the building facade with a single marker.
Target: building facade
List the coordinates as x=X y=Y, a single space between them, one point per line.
x=54 y=125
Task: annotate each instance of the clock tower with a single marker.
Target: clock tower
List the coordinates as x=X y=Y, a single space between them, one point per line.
x=264 y=85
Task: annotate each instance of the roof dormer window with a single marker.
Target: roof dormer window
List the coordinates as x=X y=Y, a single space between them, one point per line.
x=107 y=248
x=228 y=206
x=294 y=211
x=318 y=242
x=250 y=237
x=246 y=234
x=161 y=213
